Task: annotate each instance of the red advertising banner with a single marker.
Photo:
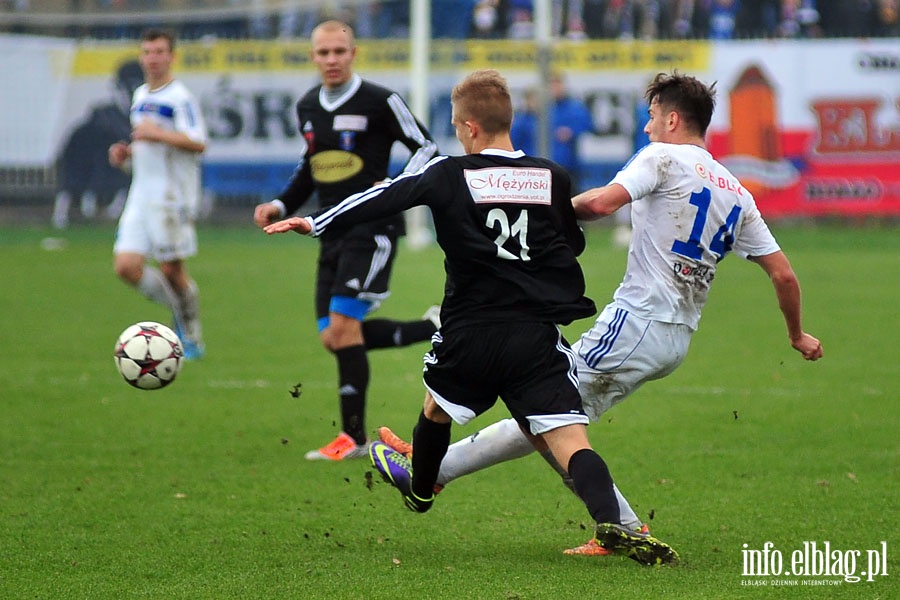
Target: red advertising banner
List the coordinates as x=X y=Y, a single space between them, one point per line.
x=831 y=147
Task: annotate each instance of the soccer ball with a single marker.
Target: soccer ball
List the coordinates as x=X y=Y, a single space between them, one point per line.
x=149 y=355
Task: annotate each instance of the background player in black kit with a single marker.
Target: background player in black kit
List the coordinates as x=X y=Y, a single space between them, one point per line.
x=510 y=237
x=349 y=126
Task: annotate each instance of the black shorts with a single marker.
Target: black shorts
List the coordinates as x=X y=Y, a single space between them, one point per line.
x=528 y=365
x=355 y=266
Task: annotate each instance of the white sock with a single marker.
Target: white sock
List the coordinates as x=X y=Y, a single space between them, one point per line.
x=89 y=204
x=626 y=514
x=155 y=286
x=566 y=479
x=60 y=218
x=503 y=441
x=496 y=443
x=188 y=313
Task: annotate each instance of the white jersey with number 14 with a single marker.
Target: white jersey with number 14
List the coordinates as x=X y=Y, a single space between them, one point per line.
x=688 y=212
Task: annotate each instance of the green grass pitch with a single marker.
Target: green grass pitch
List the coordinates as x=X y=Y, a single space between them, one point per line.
x=200 y=490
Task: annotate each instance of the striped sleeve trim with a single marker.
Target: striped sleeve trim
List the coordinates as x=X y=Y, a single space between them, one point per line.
x=411 y=130
x=322 y=221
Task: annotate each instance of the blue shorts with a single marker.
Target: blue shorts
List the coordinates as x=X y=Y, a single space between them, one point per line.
x=349 y=307
x=353 y=274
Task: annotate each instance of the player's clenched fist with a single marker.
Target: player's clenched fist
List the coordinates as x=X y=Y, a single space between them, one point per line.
x=119 y=153
x=809 y=346
x=265 y=214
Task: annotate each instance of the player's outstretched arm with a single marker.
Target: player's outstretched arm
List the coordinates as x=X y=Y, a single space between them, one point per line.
x=299 y=224
x=787 y=290
x=600 y=202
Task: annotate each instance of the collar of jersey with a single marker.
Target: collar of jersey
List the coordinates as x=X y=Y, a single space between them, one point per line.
x=160 y=88
x=506 y=153
x=355 y=82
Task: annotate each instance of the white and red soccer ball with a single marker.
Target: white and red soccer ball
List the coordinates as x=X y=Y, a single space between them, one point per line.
x=149 y=355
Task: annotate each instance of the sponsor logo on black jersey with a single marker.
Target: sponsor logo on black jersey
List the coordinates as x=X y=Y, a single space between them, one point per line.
x=350 y=123
x=348 y=140
x=332 y=166
x=310 y=137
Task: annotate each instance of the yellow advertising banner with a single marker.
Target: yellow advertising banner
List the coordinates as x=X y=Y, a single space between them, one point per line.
x=225 y=56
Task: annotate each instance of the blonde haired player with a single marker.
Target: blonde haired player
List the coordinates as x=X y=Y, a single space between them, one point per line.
x=349 y=125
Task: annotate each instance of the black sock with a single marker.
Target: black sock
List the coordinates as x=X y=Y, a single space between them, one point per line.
x=386 y=333
x=430 y=442
x=353 y=380
x=594 y=485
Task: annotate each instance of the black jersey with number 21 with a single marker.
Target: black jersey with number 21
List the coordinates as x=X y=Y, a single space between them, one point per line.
x=507 y=228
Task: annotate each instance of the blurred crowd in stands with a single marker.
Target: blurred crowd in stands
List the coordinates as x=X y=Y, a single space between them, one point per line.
x=513 y=19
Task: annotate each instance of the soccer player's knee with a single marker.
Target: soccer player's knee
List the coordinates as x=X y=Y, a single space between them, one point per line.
x=327 y=339
x=128 y=271
x=334 y=338
x=341 y=333
x=174 y=273
x=433 y=411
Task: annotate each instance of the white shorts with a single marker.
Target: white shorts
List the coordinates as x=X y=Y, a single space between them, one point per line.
x=621 y=352
x=161 y=232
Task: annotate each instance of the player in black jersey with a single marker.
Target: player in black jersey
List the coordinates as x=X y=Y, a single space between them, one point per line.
x=349 y=126
x=510 y=237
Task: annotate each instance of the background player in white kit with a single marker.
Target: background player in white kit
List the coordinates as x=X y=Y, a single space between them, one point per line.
x=688 y=213
x=168 y=135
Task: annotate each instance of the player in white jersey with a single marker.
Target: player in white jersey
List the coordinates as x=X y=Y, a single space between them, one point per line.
x=688 y=212
x=168 y=135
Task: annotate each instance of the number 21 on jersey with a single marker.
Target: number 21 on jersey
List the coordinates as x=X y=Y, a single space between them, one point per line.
x=723 y=239
x=515 y=234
